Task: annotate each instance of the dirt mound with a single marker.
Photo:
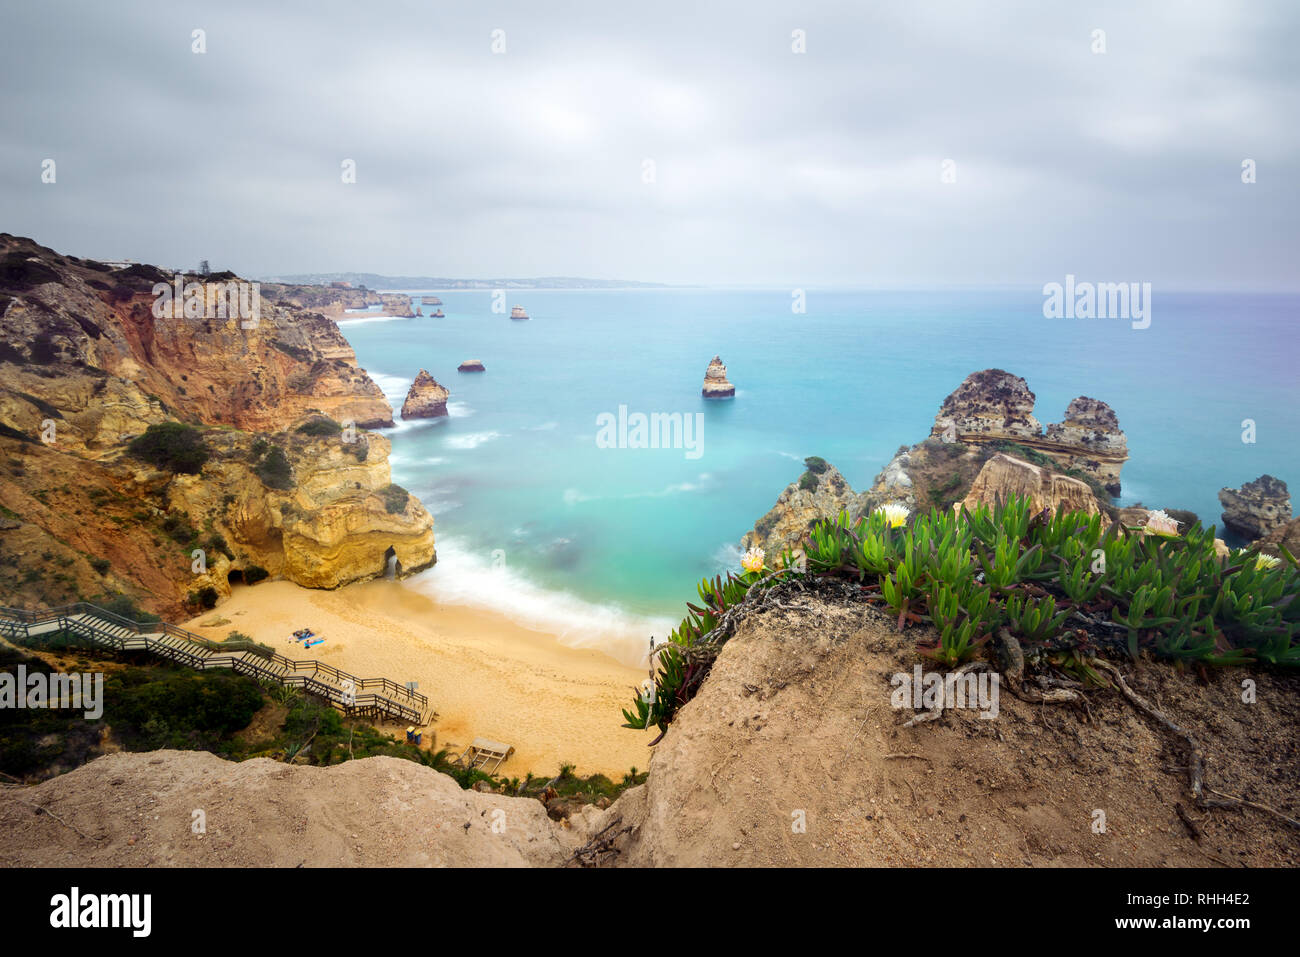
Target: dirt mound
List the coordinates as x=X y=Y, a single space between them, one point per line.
x=791 y=754
x=138 y=810
x=795 y=726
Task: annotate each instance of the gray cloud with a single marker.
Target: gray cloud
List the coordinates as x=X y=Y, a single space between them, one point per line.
x=770 y=166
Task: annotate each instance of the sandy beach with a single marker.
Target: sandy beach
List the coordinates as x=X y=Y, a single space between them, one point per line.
x=484 y=675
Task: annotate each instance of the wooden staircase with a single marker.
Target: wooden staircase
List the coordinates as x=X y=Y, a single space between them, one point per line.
x=379 y=698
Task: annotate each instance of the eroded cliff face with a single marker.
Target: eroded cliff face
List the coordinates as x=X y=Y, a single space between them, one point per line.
x=334 y=301
x=86 y=366
x=426 y=399
x=974 y=454
x=1257 y=509
x=995 y=406
x=1004 y=477
x=821 y=492
x=794 y=752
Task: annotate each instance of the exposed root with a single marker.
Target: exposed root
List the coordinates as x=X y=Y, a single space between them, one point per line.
x=600 y=846
x=44 y=810
x=1196 y=755
x=937 y=711
x=1056 y=692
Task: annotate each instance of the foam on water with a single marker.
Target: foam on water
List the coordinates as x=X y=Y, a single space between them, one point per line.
x=470 y=440
x=465 y=576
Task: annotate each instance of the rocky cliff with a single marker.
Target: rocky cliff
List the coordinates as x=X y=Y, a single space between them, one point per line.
x=716 y=385
x=1004 y=477
x=1257 y=509
x=994 y=406
x=334 y=302
x=87 y=365
x=793 y=753
x=985 y=445
x=426 y=399
x=821 y=492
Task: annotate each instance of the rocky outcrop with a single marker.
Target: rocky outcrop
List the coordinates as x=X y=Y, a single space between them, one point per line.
x=790 y=755
x=821 y=492
x=716 y=385
x=1288 y=536
x=395 y=304
x=988 y=405
x=332 y=526
x=1004 y=477
x=87 y=364
x=794 y=752
x=994 y=406
x=426 y=399
x=1257 y=509
x=471 y=365
x=327 y=519
x=1090 y=440
x=360 y=813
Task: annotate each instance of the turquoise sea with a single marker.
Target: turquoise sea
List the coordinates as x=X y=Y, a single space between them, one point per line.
x=603 y=545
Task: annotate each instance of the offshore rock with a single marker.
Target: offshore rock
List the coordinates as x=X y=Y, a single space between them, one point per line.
x=994 y=406
x=716 y=385
x=426 y=399
x=1258 y=508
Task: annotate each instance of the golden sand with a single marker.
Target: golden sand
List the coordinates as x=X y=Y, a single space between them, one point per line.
x=484 y=675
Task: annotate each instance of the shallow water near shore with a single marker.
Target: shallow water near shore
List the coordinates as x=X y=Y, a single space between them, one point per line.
x=536 y=520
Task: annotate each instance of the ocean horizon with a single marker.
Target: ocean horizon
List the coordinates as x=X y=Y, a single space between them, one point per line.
x=604 y=545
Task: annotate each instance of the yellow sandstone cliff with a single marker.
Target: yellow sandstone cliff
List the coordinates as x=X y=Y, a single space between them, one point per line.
x=294 y=484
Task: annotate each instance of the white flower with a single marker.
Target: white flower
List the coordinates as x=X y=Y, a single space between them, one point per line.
x=752 y=560
x=1160 y=523
x=1266 y=561
x=895 y=514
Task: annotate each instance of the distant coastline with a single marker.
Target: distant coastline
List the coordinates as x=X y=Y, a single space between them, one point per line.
x=377 y=281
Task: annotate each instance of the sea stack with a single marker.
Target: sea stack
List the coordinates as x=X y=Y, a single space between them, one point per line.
x=1257 y=509
x=518 y=313
x=426 y=399
x=716 y=385
x=993 y=406
x=471 y=365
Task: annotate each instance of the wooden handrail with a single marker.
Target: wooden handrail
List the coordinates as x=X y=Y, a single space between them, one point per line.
x=409 y=705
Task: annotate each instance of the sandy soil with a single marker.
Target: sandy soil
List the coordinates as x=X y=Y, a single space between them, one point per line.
x=794 y=726
x=260 y=813
x=484 y=675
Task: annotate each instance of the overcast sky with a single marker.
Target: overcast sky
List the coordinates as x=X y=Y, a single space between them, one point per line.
x=770 y=166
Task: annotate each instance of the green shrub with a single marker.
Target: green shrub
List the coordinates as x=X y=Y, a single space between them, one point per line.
x=815 y=464
x=205 y=597
x=172 y=447
x=274 y=470
x=124 y=607
x=151 y=708
x=1067 y=587
x=395 y=499
x=321 y=426
x=18 y=273
x=178 y=529
x=808 y=482
x=254 y=574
